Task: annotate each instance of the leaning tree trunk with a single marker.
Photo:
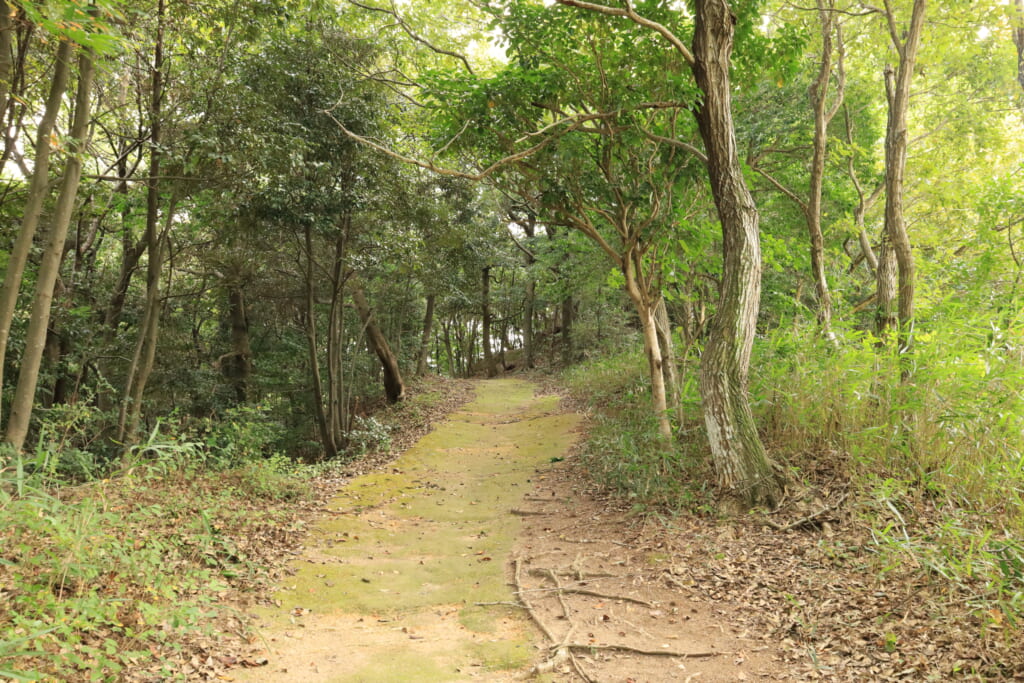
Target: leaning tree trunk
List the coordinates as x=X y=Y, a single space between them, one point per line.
x=49 y=266
x=37 y=192
x=743 y=470
x=6 y=63
x=394 y=388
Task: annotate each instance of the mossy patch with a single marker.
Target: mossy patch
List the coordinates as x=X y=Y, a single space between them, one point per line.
x=433 y=533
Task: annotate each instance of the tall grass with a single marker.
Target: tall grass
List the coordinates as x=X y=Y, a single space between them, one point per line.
x=624 y=451
x=947 y=416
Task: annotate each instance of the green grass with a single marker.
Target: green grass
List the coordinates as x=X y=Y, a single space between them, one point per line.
x=124 y=573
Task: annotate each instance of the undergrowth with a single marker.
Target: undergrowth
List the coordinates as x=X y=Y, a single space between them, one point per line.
x=932 y=439
x=930 y=442
x=127 y=572
x=624 y=451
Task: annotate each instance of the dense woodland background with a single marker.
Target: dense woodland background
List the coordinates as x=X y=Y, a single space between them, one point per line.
x=232 y=231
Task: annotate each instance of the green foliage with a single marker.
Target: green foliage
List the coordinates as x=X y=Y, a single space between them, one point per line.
x=948 y=435
x=123 y=572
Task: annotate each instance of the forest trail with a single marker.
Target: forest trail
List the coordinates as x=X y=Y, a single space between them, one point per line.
x=413 y=574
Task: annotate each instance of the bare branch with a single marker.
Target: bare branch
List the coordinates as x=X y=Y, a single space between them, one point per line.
x=677 y=143
x=404 y=25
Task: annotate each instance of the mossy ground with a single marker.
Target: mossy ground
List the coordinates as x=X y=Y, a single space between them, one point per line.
x=394 y=575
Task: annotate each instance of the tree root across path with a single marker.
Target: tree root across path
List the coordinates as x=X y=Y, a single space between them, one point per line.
x=604 y=609
x=563 y=649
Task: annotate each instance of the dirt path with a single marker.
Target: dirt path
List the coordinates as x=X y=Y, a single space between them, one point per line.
x=418 y=572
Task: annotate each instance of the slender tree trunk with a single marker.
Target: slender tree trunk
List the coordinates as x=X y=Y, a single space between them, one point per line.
x=239 y=366
x=1018 y=41
x=312 y=346
x=652 y=349
x=668 y=359
x=897 y=87
x=145 y=351
x=486 y=331
x=453 y=369
x=568 y=318
x=49 y=266
x=337 y=414
x=6 y=61
x=428 y=328
x=742 y=468
x=529 y=350
x=394 y=388
x=823 y=115
x=37 y=192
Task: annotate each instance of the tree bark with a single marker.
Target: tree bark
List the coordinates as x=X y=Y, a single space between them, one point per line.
x=489 y=366
x=823 y=115
x=239 y=366
x=6 y=63
x=49 y=266
x=669 y=369
x=312 y=346
x=529 y=227
x=652 y=349
x=37 y=193
x=742 y=467
x=394 y=388
x=428 y=328
x=897 y=87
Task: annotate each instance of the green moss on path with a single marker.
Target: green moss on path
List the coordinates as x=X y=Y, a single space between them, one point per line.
x=392 y=577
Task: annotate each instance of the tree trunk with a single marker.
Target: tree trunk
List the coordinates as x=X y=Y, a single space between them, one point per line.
x=485 y=333
x=6 y=63
x=337 y=413
x=897 y=87
x=394 y=388
x=886 y=318
x=652 y=349
x=1018 y=41
x=145 y=350
x=529 y=227
x=49 y=266
x=37 y=192
x=238 y=367
x=312 y=347
x=568 y=318
x=428 y=327
x=668 y=359
x=823 y=115
x=742 y=468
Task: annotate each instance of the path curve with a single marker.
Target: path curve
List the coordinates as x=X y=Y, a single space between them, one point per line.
x=389 y=587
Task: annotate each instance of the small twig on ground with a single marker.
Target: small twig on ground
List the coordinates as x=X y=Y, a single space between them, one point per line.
x=526 y=513
x=639 y=651
x=559 y=588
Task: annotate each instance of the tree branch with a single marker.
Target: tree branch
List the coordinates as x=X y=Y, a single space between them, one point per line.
x=631 y=14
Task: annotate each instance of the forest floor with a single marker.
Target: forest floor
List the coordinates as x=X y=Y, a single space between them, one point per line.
x=482 y=553
x=485 y=551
